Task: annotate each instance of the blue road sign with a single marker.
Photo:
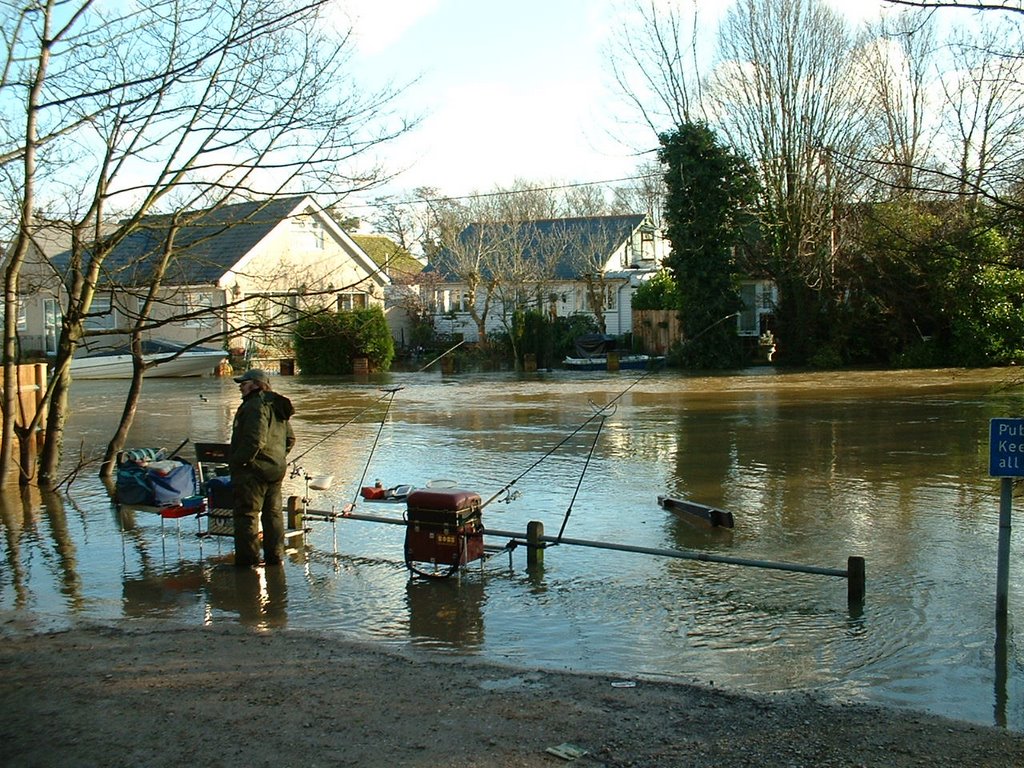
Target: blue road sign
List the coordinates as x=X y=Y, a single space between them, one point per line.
x=1006 y=448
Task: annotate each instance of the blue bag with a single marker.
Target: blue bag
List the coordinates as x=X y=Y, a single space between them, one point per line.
x=170 y=487
x=146 y=478
x=132 y=485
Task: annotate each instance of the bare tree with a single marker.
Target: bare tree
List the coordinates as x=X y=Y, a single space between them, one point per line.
x=654 y=64
x=645 y=194
x=899 y=66
x=167 y=106
x=787 y=97
x=1010 y=6
x=984 y=121
x=470 y=240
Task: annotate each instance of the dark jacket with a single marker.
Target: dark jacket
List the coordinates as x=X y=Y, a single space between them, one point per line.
x=261 y=435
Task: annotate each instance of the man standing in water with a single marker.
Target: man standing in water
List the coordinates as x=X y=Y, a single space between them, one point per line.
x=261 y=438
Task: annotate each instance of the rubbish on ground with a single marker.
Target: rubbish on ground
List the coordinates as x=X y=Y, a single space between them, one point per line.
x=567 y=751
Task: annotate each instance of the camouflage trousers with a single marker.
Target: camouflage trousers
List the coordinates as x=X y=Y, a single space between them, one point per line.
x=257 y=501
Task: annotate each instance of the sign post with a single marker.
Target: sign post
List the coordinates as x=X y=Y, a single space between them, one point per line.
x=1006 y=460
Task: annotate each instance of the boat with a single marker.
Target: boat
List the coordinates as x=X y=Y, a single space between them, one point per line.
x=701 y=514
x=625 y=362
x=593 y=351
x=168 y=360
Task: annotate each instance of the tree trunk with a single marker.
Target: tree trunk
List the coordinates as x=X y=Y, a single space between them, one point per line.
x=53 y=442
x=131 y=406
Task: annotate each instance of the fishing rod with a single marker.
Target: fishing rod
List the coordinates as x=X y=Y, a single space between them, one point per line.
x=388 y=392
x=579 y=483
x=599 y=413
x=443 y=354
x=369 y=458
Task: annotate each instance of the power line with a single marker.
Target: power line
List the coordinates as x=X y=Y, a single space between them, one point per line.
x=503 y=193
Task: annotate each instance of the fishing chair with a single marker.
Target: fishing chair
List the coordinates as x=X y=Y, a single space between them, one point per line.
x=212 y=477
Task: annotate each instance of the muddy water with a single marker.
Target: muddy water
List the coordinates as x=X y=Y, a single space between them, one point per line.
x=816 y=468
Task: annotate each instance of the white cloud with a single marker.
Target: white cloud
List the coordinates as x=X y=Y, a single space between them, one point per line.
x=377 y=24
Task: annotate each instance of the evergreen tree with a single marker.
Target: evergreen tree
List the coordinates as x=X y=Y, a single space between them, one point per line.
x=709 y=187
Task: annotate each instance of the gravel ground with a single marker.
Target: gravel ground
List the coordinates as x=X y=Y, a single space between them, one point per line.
x=139 y=694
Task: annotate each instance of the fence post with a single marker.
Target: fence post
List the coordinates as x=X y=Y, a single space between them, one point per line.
x=855 y=579
x=534 y=543
x=295 y=520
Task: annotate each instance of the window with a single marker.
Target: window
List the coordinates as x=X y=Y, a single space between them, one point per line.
x=22 y=316
x=647 y=249
x=347 y=302
x=101 y=315
x=51 y=325
x=272 y=317
x=604 y=295
x=199 y=308
x=748 y=315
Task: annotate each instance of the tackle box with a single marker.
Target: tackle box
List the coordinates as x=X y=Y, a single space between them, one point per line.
x=443 y=527
x=446 y=507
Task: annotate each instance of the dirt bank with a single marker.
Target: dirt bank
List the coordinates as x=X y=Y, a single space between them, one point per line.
x=144 y=695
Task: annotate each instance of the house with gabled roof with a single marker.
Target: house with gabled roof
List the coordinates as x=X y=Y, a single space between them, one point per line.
x=402 y=297
x=237 y=276
x=583 y=265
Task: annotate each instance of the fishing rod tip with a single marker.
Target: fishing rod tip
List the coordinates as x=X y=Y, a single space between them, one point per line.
x=395 y=388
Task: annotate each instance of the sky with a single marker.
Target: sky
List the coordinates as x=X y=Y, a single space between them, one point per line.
x=508 y=90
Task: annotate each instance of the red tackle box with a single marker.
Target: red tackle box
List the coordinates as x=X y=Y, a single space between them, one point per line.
x=443 y=506
x=444 y=526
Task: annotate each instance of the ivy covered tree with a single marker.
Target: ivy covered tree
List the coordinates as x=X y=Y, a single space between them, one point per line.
x=709 y=188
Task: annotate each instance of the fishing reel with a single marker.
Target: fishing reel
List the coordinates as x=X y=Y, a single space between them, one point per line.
x=509 y=496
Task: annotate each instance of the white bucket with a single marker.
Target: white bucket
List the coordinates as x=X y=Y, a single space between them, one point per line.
x=321 y=482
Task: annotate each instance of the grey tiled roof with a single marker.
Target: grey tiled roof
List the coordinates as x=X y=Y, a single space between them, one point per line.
x=561 y=242
x=209 y=244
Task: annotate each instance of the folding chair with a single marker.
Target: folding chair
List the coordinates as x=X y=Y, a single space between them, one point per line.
x=212 y=463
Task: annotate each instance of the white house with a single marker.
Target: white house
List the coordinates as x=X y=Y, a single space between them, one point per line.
x=237 y=275
x=588 y=265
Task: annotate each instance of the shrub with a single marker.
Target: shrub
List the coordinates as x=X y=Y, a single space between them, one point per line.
x=327 y=343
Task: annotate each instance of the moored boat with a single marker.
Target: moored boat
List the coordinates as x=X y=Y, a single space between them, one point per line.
x=167 y=358
x=625 y=362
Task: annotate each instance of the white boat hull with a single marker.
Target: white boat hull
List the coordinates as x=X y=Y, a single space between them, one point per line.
x=120 y=366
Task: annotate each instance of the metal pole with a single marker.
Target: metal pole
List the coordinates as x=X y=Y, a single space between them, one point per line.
x=855 y=580
x=1003 y=563
x=681 y=554
x=535 y=539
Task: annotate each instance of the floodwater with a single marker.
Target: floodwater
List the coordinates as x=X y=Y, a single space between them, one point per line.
x=816 y=468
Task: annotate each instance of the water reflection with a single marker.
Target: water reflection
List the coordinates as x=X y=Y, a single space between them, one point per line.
x=257 y=597
x=450 y=611
x=815 y=468
x=65 y=563
x=16 y=512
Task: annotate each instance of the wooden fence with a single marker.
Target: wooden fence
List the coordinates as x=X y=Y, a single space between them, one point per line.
x=31 y=381
x=656 y=330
